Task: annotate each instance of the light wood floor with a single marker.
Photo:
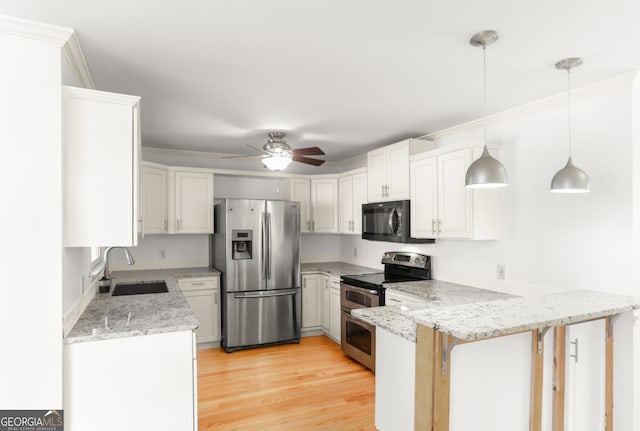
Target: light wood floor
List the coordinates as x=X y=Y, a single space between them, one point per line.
x=306 y=386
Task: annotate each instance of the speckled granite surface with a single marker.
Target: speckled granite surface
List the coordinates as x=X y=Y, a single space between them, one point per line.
x=478 y=318
x=398 y=319
x=482 y=320
x=150 y=314
x=336 y=268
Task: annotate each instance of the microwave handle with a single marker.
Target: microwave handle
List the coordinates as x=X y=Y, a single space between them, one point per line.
x=393 y=221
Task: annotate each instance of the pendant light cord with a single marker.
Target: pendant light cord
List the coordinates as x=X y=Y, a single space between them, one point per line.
x=484 y=73
x=569 y=106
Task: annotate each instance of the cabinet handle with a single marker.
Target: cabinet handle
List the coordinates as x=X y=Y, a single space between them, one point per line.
x=166 y=225
x=201 y=283
x=433 y=226
x=575 y=343
x=382 y=190
x=313 y=225
x=215 y=298
x=439 y=225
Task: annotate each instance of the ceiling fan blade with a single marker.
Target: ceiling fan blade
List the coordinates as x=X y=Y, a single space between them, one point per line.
x=308 y=160
x=310 y=151
x=240 y=156
x=260 y=150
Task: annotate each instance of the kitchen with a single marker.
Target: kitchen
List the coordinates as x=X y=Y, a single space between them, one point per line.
x=548 y=241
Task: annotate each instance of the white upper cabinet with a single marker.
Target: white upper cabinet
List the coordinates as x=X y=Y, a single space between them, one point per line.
x=155 y=194
x=101 y=168
x=190 y=200
x=318 y=198
x=388 y=169
x=324 y=205
x=353 y=193
x=300 y=191
x=441 y=205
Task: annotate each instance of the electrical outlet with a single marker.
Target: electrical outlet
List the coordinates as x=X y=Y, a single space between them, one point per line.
x=163 y=254
x=500 y=271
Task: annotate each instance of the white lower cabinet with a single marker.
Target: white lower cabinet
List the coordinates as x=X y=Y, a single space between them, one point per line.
x=395 y=382
x=137 y=383
x=321 y=304
x=312 y=310
x=585 y=376
x=334 y=309
x=203 y=295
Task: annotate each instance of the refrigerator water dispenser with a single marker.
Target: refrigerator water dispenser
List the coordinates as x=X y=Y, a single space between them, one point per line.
x=241 y=244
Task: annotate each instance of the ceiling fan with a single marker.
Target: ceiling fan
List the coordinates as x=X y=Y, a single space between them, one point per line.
x=279 y=154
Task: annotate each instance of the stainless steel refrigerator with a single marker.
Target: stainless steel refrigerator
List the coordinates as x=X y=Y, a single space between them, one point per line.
x=256 y=246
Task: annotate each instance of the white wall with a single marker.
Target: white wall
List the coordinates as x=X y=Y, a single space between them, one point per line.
x=553 y=240
x=180 y=251
x=31 y=224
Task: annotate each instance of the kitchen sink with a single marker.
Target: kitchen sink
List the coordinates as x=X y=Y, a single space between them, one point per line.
x=140 y=288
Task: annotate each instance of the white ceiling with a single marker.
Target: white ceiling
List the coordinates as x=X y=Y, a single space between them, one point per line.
x=347 y=76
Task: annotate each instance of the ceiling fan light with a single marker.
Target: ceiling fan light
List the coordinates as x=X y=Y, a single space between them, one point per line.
x=486 y=172
x=277 y=162
x=570 y=179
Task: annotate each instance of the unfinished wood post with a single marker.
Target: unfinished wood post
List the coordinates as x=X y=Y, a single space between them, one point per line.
x=559 y=367
x=537 y=357
x=425 y=360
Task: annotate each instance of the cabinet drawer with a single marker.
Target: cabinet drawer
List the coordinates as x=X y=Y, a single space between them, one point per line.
x=200 y=283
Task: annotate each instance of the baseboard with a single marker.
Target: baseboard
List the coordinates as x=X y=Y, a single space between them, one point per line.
x=312 y=332
x=208 y=345
x=72 y=316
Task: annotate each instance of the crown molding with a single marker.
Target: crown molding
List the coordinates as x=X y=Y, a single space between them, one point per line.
x=75 y=57
x=620 y=82
x=62 y=37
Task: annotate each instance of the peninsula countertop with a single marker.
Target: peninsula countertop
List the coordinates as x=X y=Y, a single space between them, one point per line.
x=486 y=314
x=337 y=269
x=150 y=314
x=398 y=319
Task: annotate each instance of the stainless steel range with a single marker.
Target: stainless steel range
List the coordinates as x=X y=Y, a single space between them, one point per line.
x=358 y=338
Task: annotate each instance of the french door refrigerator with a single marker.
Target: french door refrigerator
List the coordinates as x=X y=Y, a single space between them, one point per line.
x=256 y=247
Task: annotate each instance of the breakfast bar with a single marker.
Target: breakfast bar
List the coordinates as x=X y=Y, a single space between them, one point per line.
x=439 y=329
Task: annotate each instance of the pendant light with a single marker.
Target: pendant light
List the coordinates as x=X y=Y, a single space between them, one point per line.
x=486 y=171
x=570 y=179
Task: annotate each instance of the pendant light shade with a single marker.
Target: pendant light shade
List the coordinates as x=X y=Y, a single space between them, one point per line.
x=486 y=171
x=570 y=179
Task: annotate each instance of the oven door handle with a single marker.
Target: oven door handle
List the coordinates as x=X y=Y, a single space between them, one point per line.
x=369 y=291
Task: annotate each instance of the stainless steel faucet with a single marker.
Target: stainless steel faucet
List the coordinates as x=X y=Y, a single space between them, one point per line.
x=105 y=257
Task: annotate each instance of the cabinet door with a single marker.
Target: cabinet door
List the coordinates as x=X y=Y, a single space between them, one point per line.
x=300 y=191
x=424 y=198
x=454 y=199
x=376 y=174
x=346 y=204
x=101 y=168
x=324 y=205
x=193 y=202
x=359 y=198
x=585 y=376
x=326 y=305
x=398 y=171
x=154 y=200
x=203 y=295
x=203 y=304
x=311 y=301
x=334 y=325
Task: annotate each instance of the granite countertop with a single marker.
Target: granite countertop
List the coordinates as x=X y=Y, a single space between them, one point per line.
x=398 y=319
x=480 y=320
x=150 y=314
x=337 y=269
x=485 y=314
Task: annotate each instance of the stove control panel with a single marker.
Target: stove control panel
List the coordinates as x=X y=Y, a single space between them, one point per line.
x=407 y=258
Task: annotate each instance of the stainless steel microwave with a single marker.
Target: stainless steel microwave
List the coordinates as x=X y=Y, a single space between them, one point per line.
x=389 y=221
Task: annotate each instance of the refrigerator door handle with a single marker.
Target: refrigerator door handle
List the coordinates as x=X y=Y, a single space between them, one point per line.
x=263 y=272
x=258 y=295
x=268 y=247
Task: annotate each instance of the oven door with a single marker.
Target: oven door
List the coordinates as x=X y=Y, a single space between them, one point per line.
x=358 y=340
x=357 y=297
